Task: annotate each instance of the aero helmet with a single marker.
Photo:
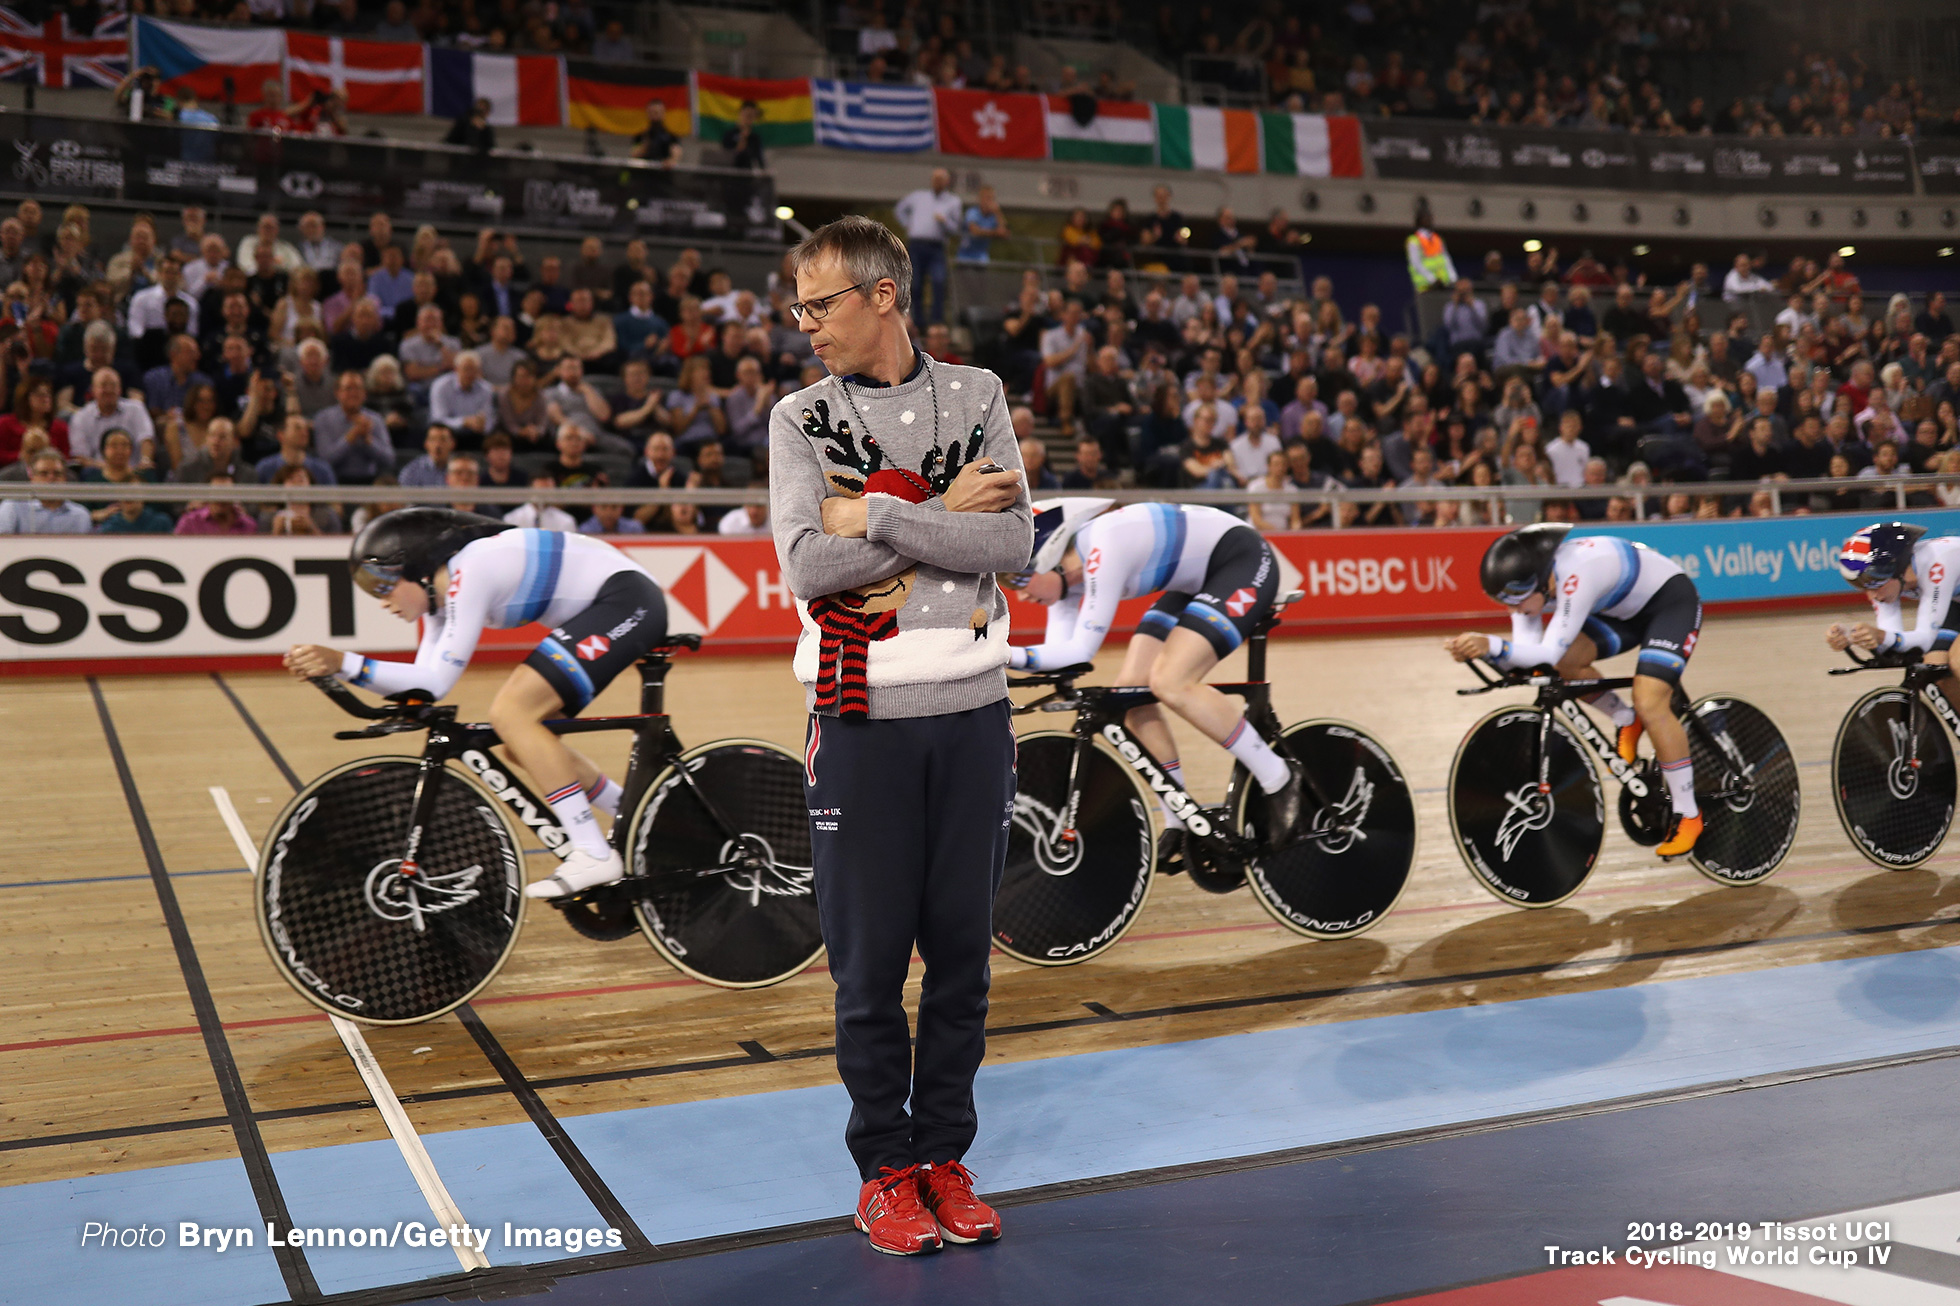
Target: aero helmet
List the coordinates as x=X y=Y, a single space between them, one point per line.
x=1055 y=524
x=411 y=544
x=1520 y=563
x=1878 y=553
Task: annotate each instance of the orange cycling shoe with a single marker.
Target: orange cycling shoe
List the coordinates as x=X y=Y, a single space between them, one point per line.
x=890 y=1212
x=1630 y=740
x=1681 y=840
x=948 y=1192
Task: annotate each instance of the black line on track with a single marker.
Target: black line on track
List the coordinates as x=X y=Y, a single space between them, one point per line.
x=252 y=724
x=532 y=1280
x=610 y=1208
x=293 y=1268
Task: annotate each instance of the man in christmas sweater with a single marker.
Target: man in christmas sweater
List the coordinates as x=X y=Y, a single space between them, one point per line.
x=895 y=496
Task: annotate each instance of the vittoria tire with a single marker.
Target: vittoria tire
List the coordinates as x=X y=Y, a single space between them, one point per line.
x=355 y=938
x=1062 y=900
x=1529 y=849
x=732 y=923
x=1893 y=784
x=1344 y=880
x=1747 y=789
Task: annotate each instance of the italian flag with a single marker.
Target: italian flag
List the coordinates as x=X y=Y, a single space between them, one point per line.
x=1121 y=132
x=1207 y=140
x=1311 y=144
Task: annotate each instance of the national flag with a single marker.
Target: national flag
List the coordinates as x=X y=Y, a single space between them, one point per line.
x=857 y=116
x=787 y=118
x=1082 y=129
x=372 y=76
x=522 y=88
x=614 y=97
x=1208 y=140
x=1312 y=144
x=202 y=59
x=990 y=125
x=49 y=53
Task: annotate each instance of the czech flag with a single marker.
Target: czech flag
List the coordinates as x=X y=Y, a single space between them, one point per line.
x=201 y=59
x=522 y=88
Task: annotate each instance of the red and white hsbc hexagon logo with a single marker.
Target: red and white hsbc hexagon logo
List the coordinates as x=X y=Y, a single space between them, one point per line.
x=701 y=589
x=593 y=647
x=1572 y=584
x=1094 y=562
x=1240 y=602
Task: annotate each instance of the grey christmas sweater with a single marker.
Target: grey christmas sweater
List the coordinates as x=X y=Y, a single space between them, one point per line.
x=908 y=620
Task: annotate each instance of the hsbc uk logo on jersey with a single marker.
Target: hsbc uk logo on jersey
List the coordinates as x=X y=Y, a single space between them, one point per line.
x=1241 y=602
x=593 y=647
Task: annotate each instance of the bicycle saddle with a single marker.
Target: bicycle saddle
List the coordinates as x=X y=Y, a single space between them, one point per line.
x=692 y=643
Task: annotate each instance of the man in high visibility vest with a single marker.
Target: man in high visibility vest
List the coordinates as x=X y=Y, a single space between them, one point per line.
x=1429 y=262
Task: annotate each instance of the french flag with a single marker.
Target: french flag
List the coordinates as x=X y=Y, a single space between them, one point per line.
x=202 y=59
x=523 y=90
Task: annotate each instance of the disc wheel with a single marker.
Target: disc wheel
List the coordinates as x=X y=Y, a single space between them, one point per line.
x=1530 y=849
x=1747 y=788
x=1894 y=792
x=1064 y=900
x=356 y=938
x=737 y=907
x=1342 y=881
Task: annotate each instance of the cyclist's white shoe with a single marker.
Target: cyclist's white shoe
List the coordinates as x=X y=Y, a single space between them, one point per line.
x=580 y=871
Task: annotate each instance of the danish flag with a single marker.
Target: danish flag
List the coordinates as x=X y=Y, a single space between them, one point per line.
x=1241 y=602
x=593 y=647
x=51 y=54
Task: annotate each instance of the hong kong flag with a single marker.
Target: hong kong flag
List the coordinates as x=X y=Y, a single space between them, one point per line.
x=990 y=125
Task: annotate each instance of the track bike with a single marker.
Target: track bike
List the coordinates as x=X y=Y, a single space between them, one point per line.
x=1892 y=767
x=391 y=889
x=1082 y=853
x=1529 y=813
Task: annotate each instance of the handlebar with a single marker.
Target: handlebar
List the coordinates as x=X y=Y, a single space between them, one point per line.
x=414 y=709
x=1877 y=662
x=1495 y=677
x=1060 y=676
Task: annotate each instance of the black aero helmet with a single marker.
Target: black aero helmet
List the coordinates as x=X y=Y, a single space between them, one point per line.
x=1878 y=553
x=411 y=544
x=1521 y=562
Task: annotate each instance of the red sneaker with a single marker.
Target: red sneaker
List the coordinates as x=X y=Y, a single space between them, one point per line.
x=962 y=1217
x=890 y=1212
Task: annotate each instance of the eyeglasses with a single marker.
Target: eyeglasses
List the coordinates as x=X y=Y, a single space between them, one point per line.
x=819 y=309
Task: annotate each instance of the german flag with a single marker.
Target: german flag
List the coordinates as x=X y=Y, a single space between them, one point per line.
x=787 y=118
x=613 y=97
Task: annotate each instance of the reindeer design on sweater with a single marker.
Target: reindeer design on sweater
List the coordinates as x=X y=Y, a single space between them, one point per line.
x=852 y=620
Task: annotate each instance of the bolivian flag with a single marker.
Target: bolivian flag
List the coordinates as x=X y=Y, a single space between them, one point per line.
x=787 y=118
x=614 y=96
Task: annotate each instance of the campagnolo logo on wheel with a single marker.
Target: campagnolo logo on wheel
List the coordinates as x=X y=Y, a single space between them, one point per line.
x=1336 y=828
x=1902 y=774
x=1139 y=885
x=1174 y=798
x=498 y=783
x=1528 y=808
x=395 y=897
x=275 y=923
x=1040 y=822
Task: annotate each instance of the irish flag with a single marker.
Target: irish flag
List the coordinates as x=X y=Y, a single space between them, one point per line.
x=1208 y=140
x=1082 y=130
x=1312 y=144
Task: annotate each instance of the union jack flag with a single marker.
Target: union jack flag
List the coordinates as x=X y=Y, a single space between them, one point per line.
x=50 y=54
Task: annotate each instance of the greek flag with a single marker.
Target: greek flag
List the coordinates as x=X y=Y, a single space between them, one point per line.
x=860 y=116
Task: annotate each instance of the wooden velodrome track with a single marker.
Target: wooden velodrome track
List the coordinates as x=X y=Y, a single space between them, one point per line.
x=105 y=1068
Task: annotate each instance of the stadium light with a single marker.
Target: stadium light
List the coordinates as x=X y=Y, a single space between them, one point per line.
x=1533 y=246
x=1846 y=251
x=1946 y=251
x=784 y=213
x=1641 y=251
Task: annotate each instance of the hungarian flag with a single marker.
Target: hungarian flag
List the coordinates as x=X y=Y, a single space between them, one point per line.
x=372 y=76
x=787 y=116
x=992 y=126
x=1207 y=140
x=522 y=88
x=202 y=60
x=1312 y=144
x=1083 y=129
x=613 y=97
x=51 y=54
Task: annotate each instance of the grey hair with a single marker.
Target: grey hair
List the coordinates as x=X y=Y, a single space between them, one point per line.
x=98 y=332
x=870 y=252
x=52 y=455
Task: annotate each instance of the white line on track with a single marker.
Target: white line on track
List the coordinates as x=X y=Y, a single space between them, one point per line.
x=441 y=1204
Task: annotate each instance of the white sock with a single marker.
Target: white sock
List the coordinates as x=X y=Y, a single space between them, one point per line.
x=1267 y=767
x=1172 y=821
x=605 y=795
x=574 y=812
x=1680 y=777
x=1613 y=706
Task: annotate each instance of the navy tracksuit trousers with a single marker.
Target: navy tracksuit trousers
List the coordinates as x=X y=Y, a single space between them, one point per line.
x=908 y=824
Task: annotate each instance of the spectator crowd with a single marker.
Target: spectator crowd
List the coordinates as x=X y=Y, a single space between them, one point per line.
x=299 y=359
